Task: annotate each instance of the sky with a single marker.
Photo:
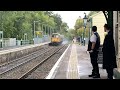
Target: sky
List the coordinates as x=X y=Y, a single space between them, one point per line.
x=70 y=17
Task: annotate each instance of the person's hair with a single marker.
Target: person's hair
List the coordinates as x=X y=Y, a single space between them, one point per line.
x=107 y=26
x=94 y=28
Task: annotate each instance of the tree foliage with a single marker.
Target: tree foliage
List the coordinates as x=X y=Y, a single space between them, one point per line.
x=79 y=29
x=17 y=23
x=78 y=23
x=71 y=34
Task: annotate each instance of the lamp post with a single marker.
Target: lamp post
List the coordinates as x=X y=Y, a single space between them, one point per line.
x=34 y=26
x=34 y=30
x=17 y=40
x=17 y=37
x=85 y=22
x=25 y=38
x=44 y=26
x=82 y=39
x=90 y=26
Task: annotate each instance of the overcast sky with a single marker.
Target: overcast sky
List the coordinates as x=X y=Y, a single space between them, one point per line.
x=71 y=16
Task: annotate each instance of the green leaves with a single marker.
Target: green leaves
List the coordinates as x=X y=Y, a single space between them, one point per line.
x=78 y=24
x=15 y=23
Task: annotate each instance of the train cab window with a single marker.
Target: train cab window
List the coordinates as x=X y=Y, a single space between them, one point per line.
x=53 y=35
x=57 y=36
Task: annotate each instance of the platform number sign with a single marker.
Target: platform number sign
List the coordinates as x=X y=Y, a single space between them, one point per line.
x=39 y=33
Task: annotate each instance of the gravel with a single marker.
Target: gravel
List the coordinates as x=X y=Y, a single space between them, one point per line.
x=42 y=71
x=16 y=73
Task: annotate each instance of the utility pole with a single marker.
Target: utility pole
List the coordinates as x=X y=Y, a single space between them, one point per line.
x=34 y=30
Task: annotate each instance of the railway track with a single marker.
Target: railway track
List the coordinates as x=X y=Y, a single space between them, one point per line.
x=43 y=68
x=9 y=66
x=19 y=69
x=39 y=51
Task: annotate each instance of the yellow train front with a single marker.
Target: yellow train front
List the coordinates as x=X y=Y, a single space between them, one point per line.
x=56 y=39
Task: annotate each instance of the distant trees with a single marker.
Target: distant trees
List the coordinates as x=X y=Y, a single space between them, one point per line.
x=15 y=23
x=71 y=34
x=79 y=28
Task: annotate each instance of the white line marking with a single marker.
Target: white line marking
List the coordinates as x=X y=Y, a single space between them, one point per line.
x=56 y=64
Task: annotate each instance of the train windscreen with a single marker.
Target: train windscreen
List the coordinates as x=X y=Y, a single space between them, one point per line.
x=55 y=35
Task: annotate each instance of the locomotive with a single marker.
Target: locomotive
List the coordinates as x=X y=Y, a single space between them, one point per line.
x=56 y=39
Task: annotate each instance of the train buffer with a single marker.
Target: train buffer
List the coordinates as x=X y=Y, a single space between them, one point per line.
x=74 y=64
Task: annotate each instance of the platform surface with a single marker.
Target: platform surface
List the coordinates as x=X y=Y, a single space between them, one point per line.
x=75 y=64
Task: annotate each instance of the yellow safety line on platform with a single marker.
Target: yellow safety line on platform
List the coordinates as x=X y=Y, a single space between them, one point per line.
x=72 y=65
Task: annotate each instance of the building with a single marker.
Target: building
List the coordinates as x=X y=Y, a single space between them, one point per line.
x=116 y=36
x=99 y=20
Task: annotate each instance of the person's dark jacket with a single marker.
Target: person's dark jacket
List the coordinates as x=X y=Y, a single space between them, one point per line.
x=109 y=57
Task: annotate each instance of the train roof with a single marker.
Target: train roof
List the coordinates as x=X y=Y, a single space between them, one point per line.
x=55 y=33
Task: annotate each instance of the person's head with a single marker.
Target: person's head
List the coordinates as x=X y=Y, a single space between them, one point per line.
x=94 y=28
x=106 y=27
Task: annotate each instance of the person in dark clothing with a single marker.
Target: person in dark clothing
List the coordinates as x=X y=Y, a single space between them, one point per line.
x=78 y=39
x=109 y=57
x=93 y=46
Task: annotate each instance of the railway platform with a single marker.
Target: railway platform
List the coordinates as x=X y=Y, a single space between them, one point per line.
x=74 y=64
x=17 y=52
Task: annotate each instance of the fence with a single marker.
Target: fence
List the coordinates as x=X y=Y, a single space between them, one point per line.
x=10 y=42
x=45 y=38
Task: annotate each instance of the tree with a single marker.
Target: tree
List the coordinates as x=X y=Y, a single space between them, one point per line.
x=49 y=13
x=78 y=27
x=15 y=23
x=58 y=21
x=78 y=24
x=71 y=34
x=64 y=28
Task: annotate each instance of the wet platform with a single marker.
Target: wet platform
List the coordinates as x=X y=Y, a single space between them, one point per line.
x=74 y=64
